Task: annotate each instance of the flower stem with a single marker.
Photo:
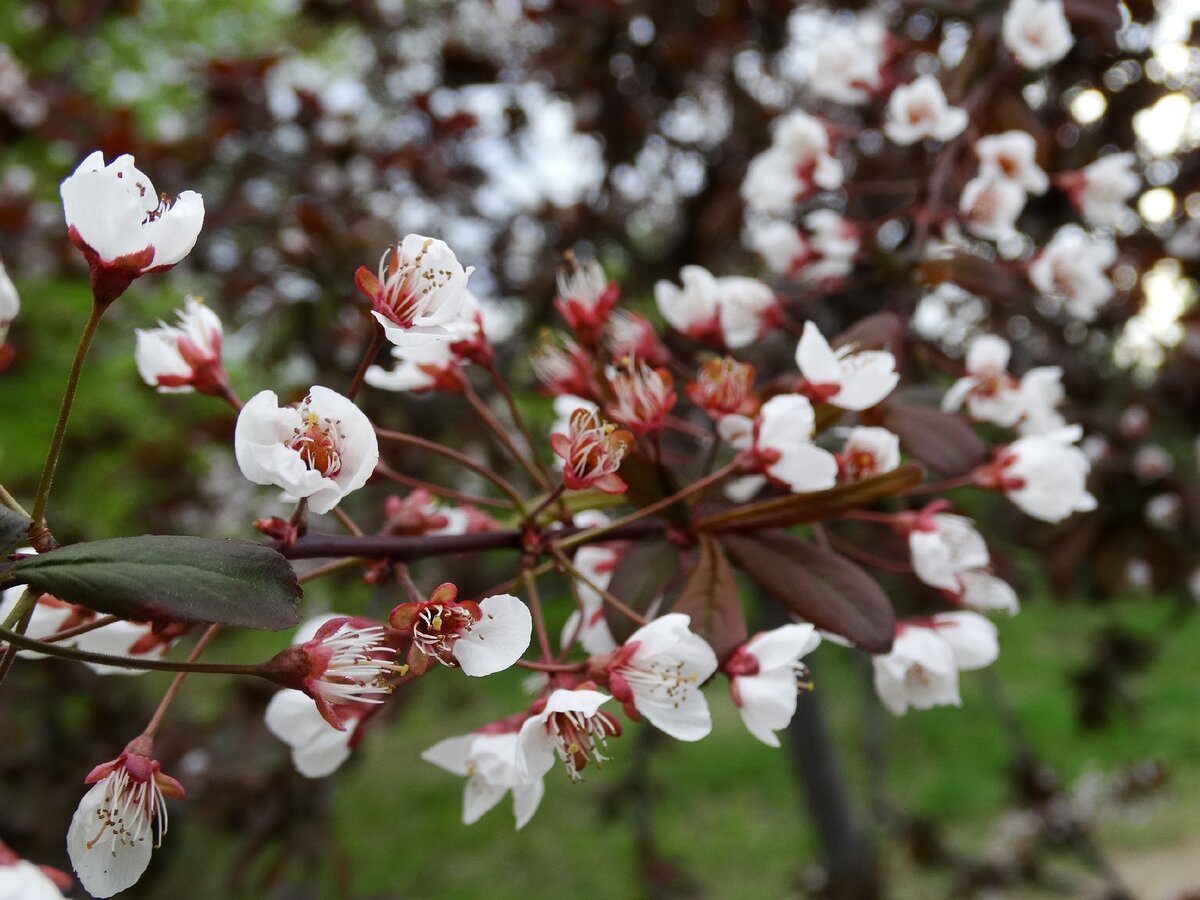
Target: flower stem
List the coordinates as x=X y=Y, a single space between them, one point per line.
x=515 y=413
x=64 y=413
x=86 y=627
x=463 y=460
x=504 y=437
x=607 y=597
x=177 y=682
x=11 y=502
x=16 y=639
x=377 y=341
x=535 y=606
x=386 y=471
x=550 y=667
x=18 y=620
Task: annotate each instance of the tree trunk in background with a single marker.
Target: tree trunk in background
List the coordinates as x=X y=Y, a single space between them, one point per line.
x=849 y=857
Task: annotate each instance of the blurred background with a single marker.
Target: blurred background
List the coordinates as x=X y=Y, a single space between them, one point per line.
x=320 y=131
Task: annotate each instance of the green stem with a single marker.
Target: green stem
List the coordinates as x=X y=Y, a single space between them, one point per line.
x=64 y=413
x=125 y=662
x=11 y=502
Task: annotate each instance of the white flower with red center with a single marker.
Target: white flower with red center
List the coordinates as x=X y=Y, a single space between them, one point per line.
x=778 y=444
x=919 y=110
x=724 y=386
x=628 y=334
x=185 y=357
x=747 y=310
x=982 y=591
x=321 y=450
x=845 y=378
x=122 y=226
x=585 y=299
x=921 y=671
x=643 y=396
x=10 y=305
x=347 y=661
x=1045 y=475
x=799 y=161
x=990 y=393
x=835 y=241
x=1099 y=191
x=120 y=820
x=1012 y=156
x=420 y=289
x=848 y=61
x=657 y=674
x=693 y=308
x=990 y=206
x=1071 y=270
x=564 y=369
x=1036 y=32
x=868 y=451
x=764 y=675
x=591 y=451
x=318 y=748
x=22 y=880
x=488 y=760
x=781 y=245
x=421 y=368
x=943 y=547
x=481 y=638
x=569 y=726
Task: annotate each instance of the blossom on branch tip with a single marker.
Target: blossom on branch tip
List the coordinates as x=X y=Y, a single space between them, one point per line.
x=921 y=670
x=186 y=357
x=724 y=386
x=585 y=299
x=419 y=290
x=568 y=726
x=643 y=396
x=846 y=378
x=990 y=393
x=481 y=638
x=799 y=161
x=1070 y=269
x=1012 y=156
x=1099 y=191
x=321 y=450
x=764 y=675
x=628 y=334
x=657 y=674
x=1036 y=32
x=591 y=451
x=120 y=820
x=731 y=312
x=318 y=748
x=848 y=60
x=868 y=451
x=778 y=444
x=122 y=226
x=564 y=369
x=919 y=110
x=990 y=206
x=488 y=760
x=1045 y=475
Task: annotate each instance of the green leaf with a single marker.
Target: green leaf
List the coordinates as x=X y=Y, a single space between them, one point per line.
x=710 y=596
x=818 y=585
x=797 y=509
x=155 y=577
x=13 y=530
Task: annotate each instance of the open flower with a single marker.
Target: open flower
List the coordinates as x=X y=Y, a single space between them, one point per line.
x=120 y=820
x=799 y=161
x=420 y=289
x=990 y=206
x=919 y=110
x=643 y=396
x=482 y=638
x=868 y=451
x=185 y=357
x=1045 y=475
x=591 y=451
x=922 y=668
x=1012 y=156
x=846 y=378
x=848 y=60
x=1071 y=270
x=489 y=763
x=657 y=673
x=781 y=245
x=990 y=393
x=122 y=226
x=564 y=369
x=834 y=241
x=764 y=674
x=628 y=334
x=10 y=305
x=585 y=299
x=724 y=386
x=778 y=444
x=347 y=661
x=732 y=311
x=321 y=450
x=568 y=726
x=1099 y=191
x=943 y=547
x=22 y=880
x=1036 y=32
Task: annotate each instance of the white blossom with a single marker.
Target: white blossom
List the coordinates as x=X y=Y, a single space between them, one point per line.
x=1012 y=156
x=919 y=110
x=779 y=444
x=990 y=393
x=799 y=161
x=659 y=671
x=869 y=451
x=321 y=450
x=848 y=59
x=418 y=292
x=732 y=311
x=780 y=244
x=22 y=880
x=571 y=728
x=181 y=358
x=921 y=671
x=1102 y=189
x=1036 y=32
x=991 y=205
x=1045 y=475
x=10 y=303
x=943 y=546
x=318 y=748
x=835 y=242
x=489 y=763
x=1071 y=270
x=764 y=675
x=846 y=378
